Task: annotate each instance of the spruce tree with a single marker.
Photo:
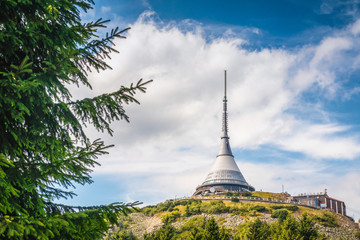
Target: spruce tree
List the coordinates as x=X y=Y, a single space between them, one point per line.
x=44 y=151
x=289 y=229
x=255 y=230
x=306 y=228
x=211 y=230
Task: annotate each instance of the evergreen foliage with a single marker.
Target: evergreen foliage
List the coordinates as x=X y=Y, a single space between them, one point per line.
x=121 y=235
x=280 y=214
x=215 y=207
x=44 y=151
x=246 y=194
x=288 y=207
x=254 y=230
x=259 y=208
x=288 y=230
x=170 y=217
x=212 y=230
x=166 y=232
x=327 y=220
x=195 y=206
x=202 y=228
x=306 y=228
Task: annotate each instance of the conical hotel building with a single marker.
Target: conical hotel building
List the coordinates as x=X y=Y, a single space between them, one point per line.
x=225 y=176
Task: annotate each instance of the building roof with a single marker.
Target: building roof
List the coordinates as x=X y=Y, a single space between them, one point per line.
x=311 y=195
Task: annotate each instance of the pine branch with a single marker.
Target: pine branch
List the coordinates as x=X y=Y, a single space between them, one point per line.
x=104 y=109
x=93 y=55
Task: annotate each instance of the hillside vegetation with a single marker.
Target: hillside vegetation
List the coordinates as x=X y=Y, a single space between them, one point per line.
x=216 y=219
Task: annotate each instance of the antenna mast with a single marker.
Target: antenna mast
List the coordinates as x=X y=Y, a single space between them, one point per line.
x=225 y=116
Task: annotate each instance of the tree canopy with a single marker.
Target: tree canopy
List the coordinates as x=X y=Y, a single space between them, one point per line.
x=44 y=151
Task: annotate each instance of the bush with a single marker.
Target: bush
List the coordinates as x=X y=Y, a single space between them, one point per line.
x=235 y=199
x=181 y=202
x=290 y=207
x=277 y=207
x=193 y=208
x=246 y=194
x=306 y=228
x=162 y=207
x=215 y=207
x=280 y=214
x=170 y=217
x=166 y=232
x=149 y=210
x=168 y=206
x=259 y=208
x=326 y=220
x=121 y=235
x=195 y=222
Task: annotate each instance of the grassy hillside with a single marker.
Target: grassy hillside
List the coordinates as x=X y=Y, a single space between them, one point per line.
x=267 y=195
x=194 y=219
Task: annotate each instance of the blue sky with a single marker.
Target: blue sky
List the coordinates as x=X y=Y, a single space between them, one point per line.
x=294 y=95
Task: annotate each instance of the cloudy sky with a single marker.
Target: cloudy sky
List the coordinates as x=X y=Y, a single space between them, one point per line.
x=293 y=91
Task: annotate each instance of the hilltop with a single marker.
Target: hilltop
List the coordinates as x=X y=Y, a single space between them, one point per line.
x=234 y=218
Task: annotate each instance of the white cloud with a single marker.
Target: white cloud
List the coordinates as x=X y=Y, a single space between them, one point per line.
x=347 y=189
x=182 y=108
x=174 y=134
x=344 y=8
x=105 y=9
x=355 y=28
x=321 y=141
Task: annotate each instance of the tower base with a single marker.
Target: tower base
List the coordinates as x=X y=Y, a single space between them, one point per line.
x=222 y=189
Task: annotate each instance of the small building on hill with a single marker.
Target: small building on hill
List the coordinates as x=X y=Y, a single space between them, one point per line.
x=321 y=200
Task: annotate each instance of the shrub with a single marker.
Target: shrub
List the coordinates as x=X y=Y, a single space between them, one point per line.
x=235 y=199
x=288 y=229
x=182 y=202
x=149 y=210
x=255 y=229
x=212 y=231
x=161 y=207
x=170 y=217
x=191 y=201
x=290 y=207
x=166 y=232
x=246 y=194
x=326 y=220
x=121 y=235
x=306 y=228
x=280 y=214
x=195 y=222
x=193 y=208
x=215 y=207
x=259 y=208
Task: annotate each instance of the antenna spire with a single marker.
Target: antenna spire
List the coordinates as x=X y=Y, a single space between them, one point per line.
x=225 y=116
x=225 y=145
